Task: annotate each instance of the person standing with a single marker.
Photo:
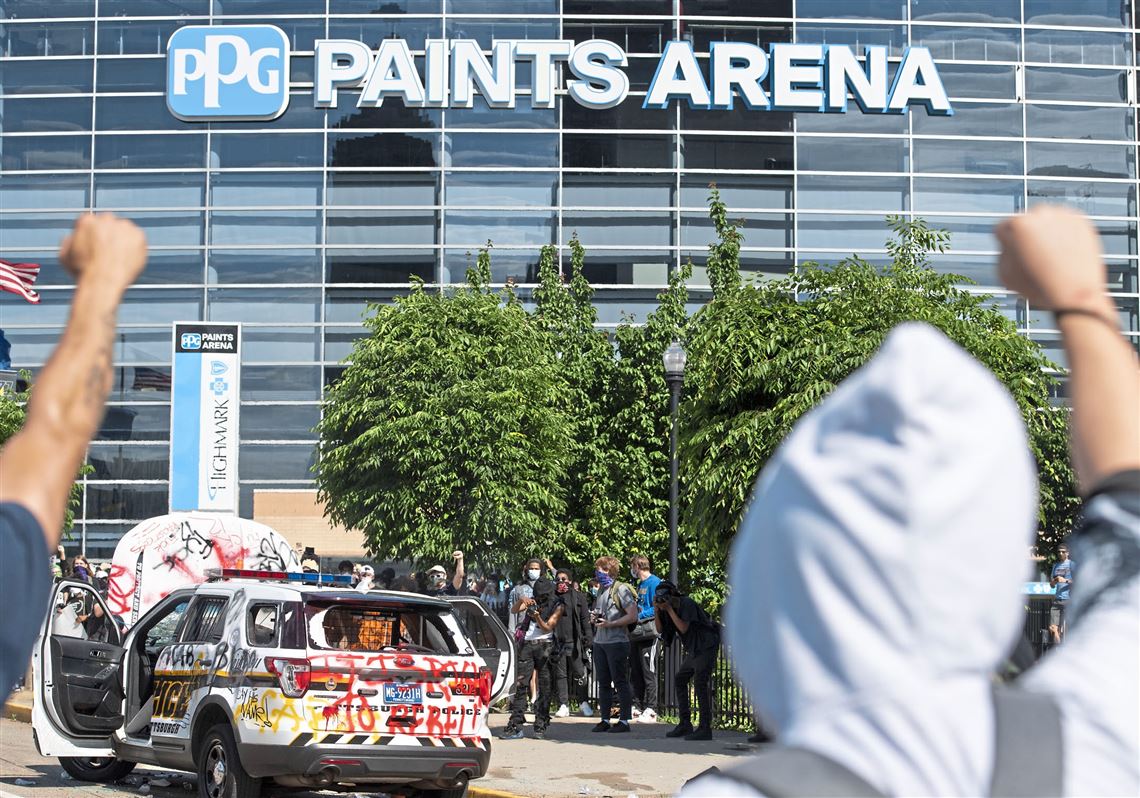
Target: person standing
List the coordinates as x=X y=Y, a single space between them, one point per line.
x=614 y=610
x=643 y=647
x=572 y=638
x=1062 y=581
x=700 y=638
x=534 y=659
x=437 y=584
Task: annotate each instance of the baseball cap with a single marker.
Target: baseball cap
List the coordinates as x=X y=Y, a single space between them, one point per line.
x=437 y=568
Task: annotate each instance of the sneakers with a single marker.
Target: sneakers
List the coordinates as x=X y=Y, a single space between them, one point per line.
x=647 y=716
x=585 y=709
x=635 y=711
x=540 y=734
x=601 y=726
x=700 y=733
x=680 y=730
x=511 y=733
x=760 y=737
x=619 y=727
x=563 y=712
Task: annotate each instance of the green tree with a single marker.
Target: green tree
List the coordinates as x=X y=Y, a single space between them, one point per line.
x=12 y=417
x=448 y=429
x=762 y=355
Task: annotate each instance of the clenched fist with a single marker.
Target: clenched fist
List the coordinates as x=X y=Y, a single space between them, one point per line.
x=1052 y=257
x=104 y=248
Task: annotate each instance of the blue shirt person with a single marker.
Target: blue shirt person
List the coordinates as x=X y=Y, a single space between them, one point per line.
x=1062 y=581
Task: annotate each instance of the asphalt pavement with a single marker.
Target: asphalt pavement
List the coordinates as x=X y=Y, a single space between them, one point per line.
x=572 y=762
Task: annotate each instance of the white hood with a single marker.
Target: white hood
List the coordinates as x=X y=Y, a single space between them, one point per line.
x=877 y=569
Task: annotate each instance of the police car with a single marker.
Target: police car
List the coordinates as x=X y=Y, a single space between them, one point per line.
x=285 y=677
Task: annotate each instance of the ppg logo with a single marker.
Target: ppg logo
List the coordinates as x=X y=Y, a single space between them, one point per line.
x=191 y=341
x=227 y=72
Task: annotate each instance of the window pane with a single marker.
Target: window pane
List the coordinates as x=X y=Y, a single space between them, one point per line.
x=893 y=37
x=517 y=228
x=401 y=228
x=617 y=151
x=160 y=306
x=584 y=190
x=375 y=30
x=610 y=267
x=116 y=461
x=973 y=119
x=25 y=192
x=383 y=149
x=820 y=154
x=264 y=190
x=511 y=189
x=265 y=306
x=128 y=502
x=55 y=115
x=47 y=152
x=837 y=9
x=1081 y=160
x=113 y=191
x=136 y=422
x=361 y=188
x=995 y=158
x=150 y=152
x=391 y=114
x=969 y=44
x=1079 y=122
x=1078 y=47
x=131 y=74
x=1093 y=197
x=979 y=80
x=888 y=194
x=136 y=113
x=738 y=191
x=279 y=422
x=265 y=266
x=1086 y=13
x=980 y=11
x=381 y=265
x=127 y=37
x=513 y=266
x=968 y=196
x=1080 y=85
x=759 y=230
x=629 y=115
x=263 y=150
x=282 y=228
x=279 y=384
x=47 y=39
x=62 y=76
x=842 y=231
x=736 y=152
x=503 y=150
x=621 y=229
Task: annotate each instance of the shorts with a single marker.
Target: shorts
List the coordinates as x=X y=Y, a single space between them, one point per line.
x=1057 y=615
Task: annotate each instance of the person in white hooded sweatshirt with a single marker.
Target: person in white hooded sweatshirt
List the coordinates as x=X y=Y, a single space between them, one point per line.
x=850 y=643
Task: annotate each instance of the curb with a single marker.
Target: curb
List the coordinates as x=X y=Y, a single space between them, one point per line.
x=484 y=792
x=18 y=712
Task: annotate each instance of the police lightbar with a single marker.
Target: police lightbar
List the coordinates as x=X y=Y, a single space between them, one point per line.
x=284 y=576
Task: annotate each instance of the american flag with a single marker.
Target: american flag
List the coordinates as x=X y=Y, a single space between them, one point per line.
x=19 y=279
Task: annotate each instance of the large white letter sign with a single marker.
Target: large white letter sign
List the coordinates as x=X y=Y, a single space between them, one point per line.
x=741 y=66
x=600 y=84
x=797 y=77
x=332 y=71
x=869 y=86
x=678 y=76
x=496 y=81
x=393 y=74
x=917 y=81
x=543 y=57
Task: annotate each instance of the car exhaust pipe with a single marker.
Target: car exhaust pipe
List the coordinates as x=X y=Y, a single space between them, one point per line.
x=328 y=775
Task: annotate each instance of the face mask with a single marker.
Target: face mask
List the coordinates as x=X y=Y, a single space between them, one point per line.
x=604 y=579
x=532 y=574
x=562 y=588
x=81 y=572
x=593 y=591
x=437 y=579
x=633 y=572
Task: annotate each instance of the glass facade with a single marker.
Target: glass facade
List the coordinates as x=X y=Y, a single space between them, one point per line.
x=292 y=226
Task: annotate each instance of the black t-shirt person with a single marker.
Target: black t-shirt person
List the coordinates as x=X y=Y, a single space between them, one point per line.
x=701 y=634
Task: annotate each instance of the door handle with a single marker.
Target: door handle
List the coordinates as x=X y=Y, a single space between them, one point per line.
x=98 y=654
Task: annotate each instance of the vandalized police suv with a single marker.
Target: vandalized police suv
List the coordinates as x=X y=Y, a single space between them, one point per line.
x=285 y=677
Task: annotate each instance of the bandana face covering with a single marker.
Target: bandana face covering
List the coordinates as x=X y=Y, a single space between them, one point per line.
x=604 y=579
x=562 y=587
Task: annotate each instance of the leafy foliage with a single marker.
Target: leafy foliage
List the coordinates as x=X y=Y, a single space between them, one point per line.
x=12 y=417
x=449 y=429
x=762 y=355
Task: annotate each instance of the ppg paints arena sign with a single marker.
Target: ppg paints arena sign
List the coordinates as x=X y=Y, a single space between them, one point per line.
x=242 y=72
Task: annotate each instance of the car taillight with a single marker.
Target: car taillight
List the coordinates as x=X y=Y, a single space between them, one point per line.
x=292 y=674
x=485 y=684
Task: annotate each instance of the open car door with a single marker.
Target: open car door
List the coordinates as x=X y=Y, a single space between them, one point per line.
x=76 y=674
x=491 y=639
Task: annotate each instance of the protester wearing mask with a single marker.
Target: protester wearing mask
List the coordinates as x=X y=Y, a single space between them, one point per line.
x=535 y=649
x=573 y=638
x=80 y=569
x=437 y=584
x=367 y=573
x=531 y=573
x=679 y=615
x=643 y=645
x=614 y=611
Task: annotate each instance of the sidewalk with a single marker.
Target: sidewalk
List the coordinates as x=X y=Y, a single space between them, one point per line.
x=573 y=762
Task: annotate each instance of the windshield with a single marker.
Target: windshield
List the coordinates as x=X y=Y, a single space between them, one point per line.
x=369 y=628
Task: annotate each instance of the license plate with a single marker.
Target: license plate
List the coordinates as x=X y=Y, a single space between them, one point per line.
x=403 y=694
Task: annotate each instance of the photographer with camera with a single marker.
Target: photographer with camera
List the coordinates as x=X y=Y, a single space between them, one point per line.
x=700 y=637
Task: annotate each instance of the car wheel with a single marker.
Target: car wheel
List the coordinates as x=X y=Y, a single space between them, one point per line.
x=101 y=769
x=458 y=791
x=220 y=772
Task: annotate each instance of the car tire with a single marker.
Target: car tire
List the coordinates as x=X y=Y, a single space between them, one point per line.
x=220 y=772
x=101 y=769
x=458 y=791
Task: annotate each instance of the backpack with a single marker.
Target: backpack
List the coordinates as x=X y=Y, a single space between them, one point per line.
x=1027 y=758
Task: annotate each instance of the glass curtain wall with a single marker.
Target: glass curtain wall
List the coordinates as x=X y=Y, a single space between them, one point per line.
x=292 y=226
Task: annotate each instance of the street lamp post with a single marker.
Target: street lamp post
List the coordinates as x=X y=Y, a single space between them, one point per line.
x=674 y=375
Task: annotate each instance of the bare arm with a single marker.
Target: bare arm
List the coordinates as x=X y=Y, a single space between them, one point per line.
x=39 y=464
x=457 y=580
x=550 y=623
x=1052 y=257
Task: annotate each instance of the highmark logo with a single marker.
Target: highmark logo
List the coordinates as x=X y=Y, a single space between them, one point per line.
x=232 y=72
x=227 y=72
